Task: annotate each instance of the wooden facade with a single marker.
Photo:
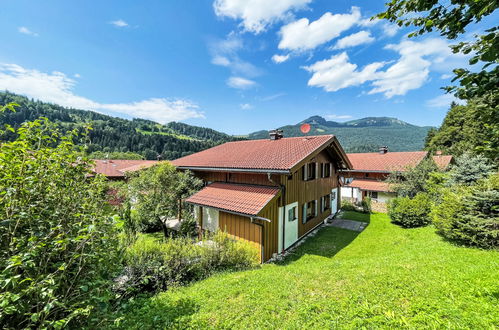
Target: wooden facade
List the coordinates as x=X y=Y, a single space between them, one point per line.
x=293 y=189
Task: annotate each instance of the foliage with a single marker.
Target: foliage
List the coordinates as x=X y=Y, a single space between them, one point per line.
x=410 y=213
x=413 y=180
x=156 y=193
x=363 y=135
x=470 y=215
x=115 y=155
x=188 y=228
x=366 y=205
x=154 y=265
x=111 y=134
x=347 y=206
x=469 y=169
x=57 y=252
x=464 y=131
x=383 y=278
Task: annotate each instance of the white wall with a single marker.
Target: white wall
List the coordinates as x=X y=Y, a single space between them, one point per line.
x=210 y=219
x=385 y=197
x=347 y=192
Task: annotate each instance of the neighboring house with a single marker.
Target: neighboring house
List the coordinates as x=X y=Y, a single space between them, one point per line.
x=115 y=169
x=270 y=193
x=370 y=170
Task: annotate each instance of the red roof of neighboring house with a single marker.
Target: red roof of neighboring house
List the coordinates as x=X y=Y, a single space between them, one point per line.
x=245 y=199
x=387 y=162
x=281 y=154
x=370 y=185
x=442 y=161
x=115 y=168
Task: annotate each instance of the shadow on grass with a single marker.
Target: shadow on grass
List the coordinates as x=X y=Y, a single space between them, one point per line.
x=328 y=241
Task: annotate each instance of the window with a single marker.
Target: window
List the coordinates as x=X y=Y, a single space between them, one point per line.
x=309 y=211
x=374 y=194
x=308 y=171
x=292 y=214
x=325 y=170
x=325 y=203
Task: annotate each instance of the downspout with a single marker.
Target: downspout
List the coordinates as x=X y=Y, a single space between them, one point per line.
x=262 y=253
x=283 y=193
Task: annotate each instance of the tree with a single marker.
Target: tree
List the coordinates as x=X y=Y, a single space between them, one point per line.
x=58 y=252
x=469 y=169
x=479 y=87
x=156 y=193
x=413 y=180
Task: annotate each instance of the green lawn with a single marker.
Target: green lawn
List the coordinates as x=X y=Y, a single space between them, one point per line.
x=384 y=277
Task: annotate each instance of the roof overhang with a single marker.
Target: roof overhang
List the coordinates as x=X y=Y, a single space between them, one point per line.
x=230 y=169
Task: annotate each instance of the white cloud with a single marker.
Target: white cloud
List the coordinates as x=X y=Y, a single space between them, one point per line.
x=240 y=83
x=272 y=97
x=359 y=38
x=224 y=52
x=77 y=75
x=443 y=101
x=119 y=23
x=57 y=88
x=337 y=117
x=390 y=30
x=337 y=73
x=257 y=15
x=446 y=76
x=25 y=30
x=409 y=72
x=280 y=58
x=303 y=35
x=246 y=106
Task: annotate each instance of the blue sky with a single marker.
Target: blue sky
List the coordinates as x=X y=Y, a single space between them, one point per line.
x=233 y=65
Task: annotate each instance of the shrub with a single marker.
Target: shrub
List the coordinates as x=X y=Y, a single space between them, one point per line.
x=188 y=228
x=58 y=253
x=366 y=205
x=154 y=265
x=347 y=206
x=410 y=213
x=470 y=215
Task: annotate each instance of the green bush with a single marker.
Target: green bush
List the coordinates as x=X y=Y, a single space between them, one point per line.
x=366 y=205
x=410 y=213
x=154 y=265
x=347 y=206
x=470 y=216
x=188 y=228
x=58 y=253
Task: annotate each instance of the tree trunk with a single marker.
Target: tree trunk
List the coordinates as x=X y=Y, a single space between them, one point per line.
x=180 y=209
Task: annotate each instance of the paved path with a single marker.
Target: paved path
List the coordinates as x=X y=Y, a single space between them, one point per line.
x=348 y=224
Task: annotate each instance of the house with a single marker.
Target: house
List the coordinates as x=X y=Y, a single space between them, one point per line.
x=115 y=169
x=270 y=192
x=370 y=170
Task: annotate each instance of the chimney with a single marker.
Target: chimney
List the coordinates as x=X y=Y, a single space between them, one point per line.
x=383 y=150
x=275 y=134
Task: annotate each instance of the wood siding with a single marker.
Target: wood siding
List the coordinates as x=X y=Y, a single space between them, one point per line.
x=270 y=229
x=303 y=192
x=242 y=228
x=249 y=178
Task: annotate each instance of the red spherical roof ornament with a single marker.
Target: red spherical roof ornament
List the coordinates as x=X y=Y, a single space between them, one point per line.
x=305 y=128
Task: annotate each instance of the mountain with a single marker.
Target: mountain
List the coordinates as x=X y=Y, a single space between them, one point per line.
x=112 y=134
x=362 y=135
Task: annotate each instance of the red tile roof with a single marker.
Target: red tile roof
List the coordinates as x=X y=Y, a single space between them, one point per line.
x=245 y=199
x=281 y=154
x=116 y=168
x=388 y=162
x=370 y=185
x=442 y=161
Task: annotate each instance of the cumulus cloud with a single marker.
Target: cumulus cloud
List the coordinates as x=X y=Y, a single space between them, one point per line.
x=303 y=35
x=390 y=30
x=359 y=38
x=257 y=15
x=409 y=72
x=25 y=30
x=240 y=83
x=246 y=106
x=119 y=23
x=280 y=58
x=443 y=101
x=58 y=88
x=224 y=52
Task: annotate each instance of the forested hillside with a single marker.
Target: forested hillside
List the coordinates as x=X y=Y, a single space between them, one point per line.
x=111 y=134
x=362 y=135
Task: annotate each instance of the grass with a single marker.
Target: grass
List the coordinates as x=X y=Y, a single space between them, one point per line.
x=357 y=216
x=385 y=276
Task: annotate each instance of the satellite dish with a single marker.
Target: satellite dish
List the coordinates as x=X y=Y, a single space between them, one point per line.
x=305 y=128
